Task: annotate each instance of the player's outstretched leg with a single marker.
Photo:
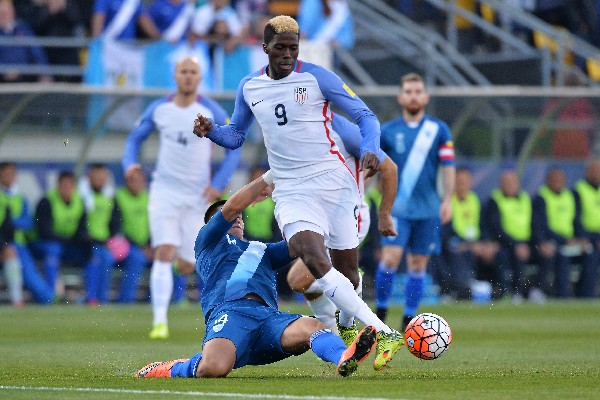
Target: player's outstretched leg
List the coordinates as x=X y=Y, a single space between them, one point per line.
x=388 y=344
x=158 y=369
x=362 y=346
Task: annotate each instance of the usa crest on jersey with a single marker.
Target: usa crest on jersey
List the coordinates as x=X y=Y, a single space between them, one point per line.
x=300 y=95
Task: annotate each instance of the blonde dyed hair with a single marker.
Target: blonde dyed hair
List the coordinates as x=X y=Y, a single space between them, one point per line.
x=280 y=24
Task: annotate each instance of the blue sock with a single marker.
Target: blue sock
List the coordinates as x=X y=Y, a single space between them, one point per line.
x=384 y=280
x=414 y=292
x=186 y=369
x=327 y=345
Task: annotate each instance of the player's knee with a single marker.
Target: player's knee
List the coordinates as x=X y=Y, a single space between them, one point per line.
x=299 y=280
x=165 y=253
x=214 y=369
x=184 y=267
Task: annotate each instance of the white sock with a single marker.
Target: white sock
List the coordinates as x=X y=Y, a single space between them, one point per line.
x=14 y=280
x=161 y=289
x=314 y=288
x=324 y=310
x=341 y=292
x=346 y=319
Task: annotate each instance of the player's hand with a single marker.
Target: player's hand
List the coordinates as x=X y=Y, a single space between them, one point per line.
x=211 y=194
x=369 y=164
x=386 y=225
x=202 y=126
x=446 y=212
x=132 y=170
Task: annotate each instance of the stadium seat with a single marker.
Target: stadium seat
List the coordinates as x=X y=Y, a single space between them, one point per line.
x=593 y=68
x=543 y=41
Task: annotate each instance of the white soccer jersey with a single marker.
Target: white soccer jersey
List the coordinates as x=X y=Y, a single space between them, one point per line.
x=347 y=136
x=184 y=160
x=295 y=116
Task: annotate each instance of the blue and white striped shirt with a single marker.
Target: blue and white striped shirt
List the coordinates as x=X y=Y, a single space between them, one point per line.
x=231 y=268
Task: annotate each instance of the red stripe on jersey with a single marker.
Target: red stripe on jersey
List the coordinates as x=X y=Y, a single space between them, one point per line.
x=298 y=65
x=262 y=71
x=328 y=134
x=357 y=177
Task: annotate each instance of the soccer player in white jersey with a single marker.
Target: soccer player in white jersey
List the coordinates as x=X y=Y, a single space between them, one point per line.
x=316 y=197
x=182 y=188
x=347 y=136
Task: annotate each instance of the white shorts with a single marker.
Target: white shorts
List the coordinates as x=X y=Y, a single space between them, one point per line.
x=175 y=218
x=328 y=203
x=364 y=221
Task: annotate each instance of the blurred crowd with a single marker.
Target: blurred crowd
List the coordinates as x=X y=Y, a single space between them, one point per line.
x=231 y=23
x=224 y=23
x=514 y=244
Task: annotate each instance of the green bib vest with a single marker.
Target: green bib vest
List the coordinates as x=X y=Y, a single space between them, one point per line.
x=515 y=214
x=465 y=216
x=65 y=217
x=590 y=206
x=134 y=214
x=258 y=220
x=4 y=204
x=98 y=218
x=16 y=202
x=373 y=196
x=560 y=211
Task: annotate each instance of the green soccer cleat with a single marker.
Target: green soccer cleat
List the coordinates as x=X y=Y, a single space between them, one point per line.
x=358 y=351
x=347 y=334
x=159 y=331
x=388 y=344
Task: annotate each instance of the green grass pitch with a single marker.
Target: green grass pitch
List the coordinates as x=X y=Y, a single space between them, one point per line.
x=499 y=351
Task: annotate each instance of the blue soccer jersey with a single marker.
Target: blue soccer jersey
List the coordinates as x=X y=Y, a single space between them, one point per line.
x=418 y=150
x=231 y=268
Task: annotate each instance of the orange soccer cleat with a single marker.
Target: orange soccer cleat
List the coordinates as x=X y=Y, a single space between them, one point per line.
x=358 y=351
x=158 y=369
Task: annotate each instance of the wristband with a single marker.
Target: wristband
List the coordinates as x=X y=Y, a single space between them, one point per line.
x=268 y=177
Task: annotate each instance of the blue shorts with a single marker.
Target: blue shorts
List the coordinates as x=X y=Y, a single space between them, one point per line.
x=254 y=328
x=417 y=236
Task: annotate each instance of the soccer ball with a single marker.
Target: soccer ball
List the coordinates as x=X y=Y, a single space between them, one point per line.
x=427 y=336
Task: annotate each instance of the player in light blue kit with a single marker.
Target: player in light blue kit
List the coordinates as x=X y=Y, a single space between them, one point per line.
x=316 y=197
x=419 y=144
x=239 y=303
x=182 y=187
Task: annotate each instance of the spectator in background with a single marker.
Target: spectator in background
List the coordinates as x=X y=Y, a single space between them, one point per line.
x=118 y=19
x=61 y=227
x=587 y=225
x=463 y=245
x=172 y=18
x=8 y=254
x=102 y=224
x=131 y=204
x=508 y=216
x=19 y=54
x=327 y=21
x=59 y=18
x=217 y=24
x=254 y=15
x=554 y=233
x=21 y=219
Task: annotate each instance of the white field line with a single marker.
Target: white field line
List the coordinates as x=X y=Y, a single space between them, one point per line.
x=192 y=393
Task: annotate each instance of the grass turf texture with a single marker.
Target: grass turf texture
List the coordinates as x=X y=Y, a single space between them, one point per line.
x=499 y=351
